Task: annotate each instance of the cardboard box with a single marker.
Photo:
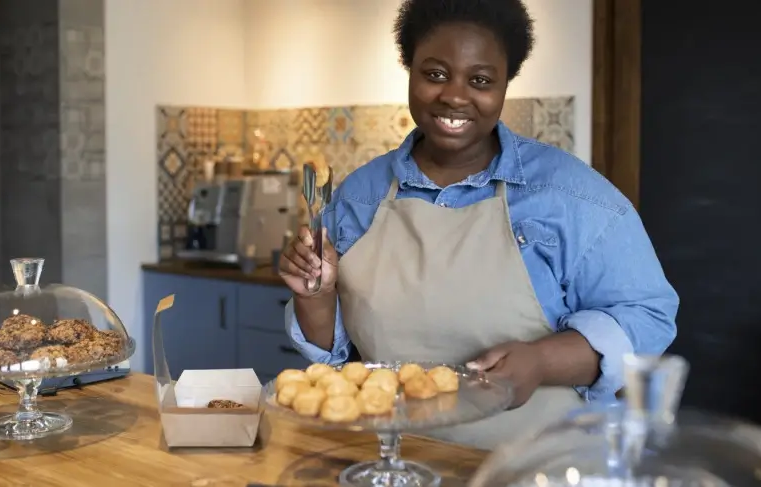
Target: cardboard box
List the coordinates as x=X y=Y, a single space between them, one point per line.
x=185 y=419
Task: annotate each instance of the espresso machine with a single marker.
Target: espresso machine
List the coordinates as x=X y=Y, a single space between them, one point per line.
x=235 y=218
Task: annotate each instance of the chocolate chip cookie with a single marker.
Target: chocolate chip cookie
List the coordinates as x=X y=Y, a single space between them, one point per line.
x=22 y=332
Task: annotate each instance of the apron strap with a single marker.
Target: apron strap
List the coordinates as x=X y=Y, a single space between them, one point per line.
x=393 y=190
x=501 y=189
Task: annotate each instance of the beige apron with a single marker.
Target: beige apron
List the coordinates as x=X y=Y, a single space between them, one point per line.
x=429 y=283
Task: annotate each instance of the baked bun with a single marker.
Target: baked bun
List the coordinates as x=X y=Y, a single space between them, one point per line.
x=308 y=401
x=341 y=388
x=290 y=375
x=316 y=371
x=340 y=409
x=375 y=402
x=445 y=378
x=288 y=392
x=384 y=379
x=420 y=387
x=408 y=371
x=355 y=372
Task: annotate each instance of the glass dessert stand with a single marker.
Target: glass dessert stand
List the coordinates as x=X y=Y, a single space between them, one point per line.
x=478 y=397
x=639 y=442
x=49 y=332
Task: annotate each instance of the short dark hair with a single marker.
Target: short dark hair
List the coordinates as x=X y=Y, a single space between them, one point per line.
x=508 y=20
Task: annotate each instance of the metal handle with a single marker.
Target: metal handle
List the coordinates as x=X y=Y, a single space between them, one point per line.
x=223 y=312
x=289 y=350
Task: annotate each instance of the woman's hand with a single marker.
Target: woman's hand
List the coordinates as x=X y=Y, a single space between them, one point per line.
x=519 y=362
x=299 y=262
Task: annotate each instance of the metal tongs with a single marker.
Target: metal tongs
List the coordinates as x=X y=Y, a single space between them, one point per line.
x=311 y=194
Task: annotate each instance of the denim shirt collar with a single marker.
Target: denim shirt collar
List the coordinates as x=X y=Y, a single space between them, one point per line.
x=506 y=165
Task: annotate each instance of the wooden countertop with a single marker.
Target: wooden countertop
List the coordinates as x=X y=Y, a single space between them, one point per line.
x=262 y=275
x=116 y=441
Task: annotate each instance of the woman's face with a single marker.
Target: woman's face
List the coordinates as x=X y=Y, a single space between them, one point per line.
x=458 y=80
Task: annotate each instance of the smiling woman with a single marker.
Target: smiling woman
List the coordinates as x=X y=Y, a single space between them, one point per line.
x=471 y=244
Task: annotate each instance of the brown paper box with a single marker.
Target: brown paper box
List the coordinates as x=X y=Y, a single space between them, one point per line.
x=185 y=419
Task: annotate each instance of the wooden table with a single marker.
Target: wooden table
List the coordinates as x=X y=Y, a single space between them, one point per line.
x=116 y=441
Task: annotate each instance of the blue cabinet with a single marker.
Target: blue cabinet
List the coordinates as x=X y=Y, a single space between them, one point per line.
x=220 y=324
x=200 y=329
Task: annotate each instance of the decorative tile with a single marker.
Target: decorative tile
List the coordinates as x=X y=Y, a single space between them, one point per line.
x=373 y=124
x=401 y=123
x=282 y=160
x=340 y=125
x=553 y=122
x=341 y=157
x=230 y=127
x=309 y=127
x=518 y=114
x=202 y=128
x=277 y=126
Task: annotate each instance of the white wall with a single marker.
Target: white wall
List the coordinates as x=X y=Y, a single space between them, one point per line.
x=184 y=52
x=339 y=52
x=268 y=54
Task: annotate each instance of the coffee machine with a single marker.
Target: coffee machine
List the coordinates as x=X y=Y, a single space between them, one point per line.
x=232 y=218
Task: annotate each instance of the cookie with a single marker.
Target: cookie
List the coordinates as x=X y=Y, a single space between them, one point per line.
x=223 y=404
x=69 y=332
x=8 y=358
x=22 y=332
x=51 y=352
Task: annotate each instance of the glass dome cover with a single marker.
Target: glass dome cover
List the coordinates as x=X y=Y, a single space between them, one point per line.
x=638 y=442
x=49 y=332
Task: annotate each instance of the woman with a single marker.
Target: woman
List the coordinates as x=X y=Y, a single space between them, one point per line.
x=471 y=244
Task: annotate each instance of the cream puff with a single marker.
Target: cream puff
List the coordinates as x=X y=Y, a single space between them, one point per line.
x=445 y=378
x=355 y=372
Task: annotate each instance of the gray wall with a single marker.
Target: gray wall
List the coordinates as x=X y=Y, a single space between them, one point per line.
x=52 y=148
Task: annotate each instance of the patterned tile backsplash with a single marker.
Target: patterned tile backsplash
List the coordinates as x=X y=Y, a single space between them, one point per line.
x=344 y=137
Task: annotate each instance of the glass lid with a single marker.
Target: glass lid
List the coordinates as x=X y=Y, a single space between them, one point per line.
x=56 y=330
x=638 y=442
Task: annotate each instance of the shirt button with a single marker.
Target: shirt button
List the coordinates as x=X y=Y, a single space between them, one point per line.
x=521 y=240
x=443 y=205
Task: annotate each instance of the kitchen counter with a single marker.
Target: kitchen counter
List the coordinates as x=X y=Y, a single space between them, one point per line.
x=116 y=441
x=263 y=275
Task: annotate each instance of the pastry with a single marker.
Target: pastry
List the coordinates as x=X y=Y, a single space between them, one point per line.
x=308 y=401
x=374 y=401
x=340 y=409
x=355 y=372
x=445 y=378
x=103 y=345
x=384 y=379
x=22 y=332
x=420 y=387
x=224 y=404
x=19 y=321
x=288 y=392
x=51 y=352
x=316 y=371
x=341 y=387
x=329 y=378
x=8 y=358
x=408 y=371
x=69 y=332
x=290 y=375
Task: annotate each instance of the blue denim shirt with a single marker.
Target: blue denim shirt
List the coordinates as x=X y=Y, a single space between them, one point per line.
x=590 y=260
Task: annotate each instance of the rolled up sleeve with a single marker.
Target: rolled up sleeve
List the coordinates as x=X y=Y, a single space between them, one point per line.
x=313 y=353
x=621 y=301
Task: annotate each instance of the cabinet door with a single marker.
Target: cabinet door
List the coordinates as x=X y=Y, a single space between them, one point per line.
x=199 y=330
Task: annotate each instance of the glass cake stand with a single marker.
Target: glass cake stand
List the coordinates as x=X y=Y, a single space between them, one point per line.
x=639 y=442
x=478 y=397
x=48 y=332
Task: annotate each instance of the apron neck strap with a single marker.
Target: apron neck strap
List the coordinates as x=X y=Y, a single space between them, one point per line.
x=501 y=189
x=393 y=190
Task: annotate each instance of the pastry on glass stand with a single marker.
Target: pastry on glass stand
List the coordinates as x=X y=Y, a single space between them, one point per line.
x=49 y=332
x=639 y=442
x=388 y=399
